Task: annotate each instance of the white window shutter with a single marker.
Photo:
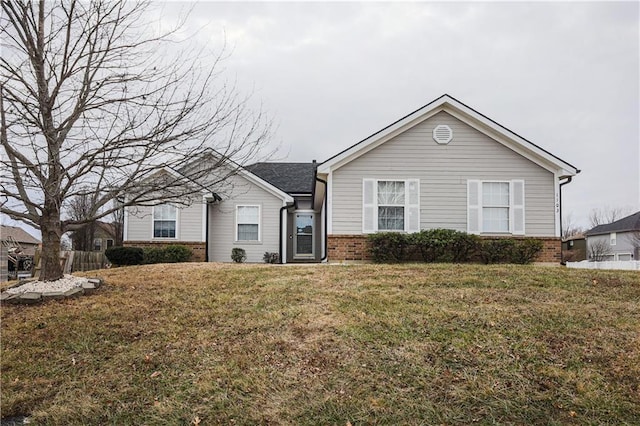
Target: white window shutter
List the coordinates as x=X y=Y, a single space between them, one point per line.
x=474 y=210
x=368 y=206
x=412 y=210
x=517 y=197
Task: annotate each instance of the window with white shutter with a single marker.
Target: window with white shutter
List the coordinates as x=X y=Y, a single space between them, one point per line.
x=390 y=205
x=495 y=207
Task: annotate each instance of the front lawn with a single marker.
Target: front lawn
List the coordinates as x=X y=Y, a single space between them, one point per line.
x=362 y=344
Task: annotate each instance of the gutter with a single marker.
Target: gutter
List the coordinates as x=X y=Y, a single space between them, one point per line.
x=569 y=179
x=285 y=207
x=326 y=237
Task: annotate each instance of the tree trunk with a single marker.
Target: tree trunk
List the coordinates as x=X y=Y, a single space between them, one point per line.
x=51 y=235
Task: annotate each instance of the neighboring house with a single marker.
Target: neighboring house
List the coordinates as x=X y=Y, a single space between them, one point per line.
x=619 y=240
x=12 y=234
x=104 y=237
x=574 y=248
x=444 y=165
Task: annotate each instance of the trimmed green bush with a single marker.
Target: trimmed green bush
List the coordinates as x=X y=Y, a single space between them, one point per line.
x=174 y=253
x=123 y=256
x=387 y=247
x=270 y=257
x=525 y=251
x=445 y=245
x=496 y=251
x=238 y=255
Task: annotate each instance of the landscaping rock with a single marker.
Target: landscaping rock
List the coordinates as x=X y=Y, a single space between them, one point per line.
x=29 y=298
x=7 y=297
x=53 y=295
x=96 y=281
x=74 y=292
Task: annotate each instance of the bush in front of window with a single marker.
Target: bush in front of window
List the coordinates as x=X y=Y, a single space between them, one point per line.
x=507 y=250
x=173 y=253
x=526 y=251
x=238 y=255
x=123 y=256
x=389 y=247
x=445 y=245
x=270 y=257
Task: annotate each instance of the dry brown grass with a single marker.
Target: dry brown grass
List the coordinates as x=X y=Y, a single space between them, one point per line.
x=366 y=344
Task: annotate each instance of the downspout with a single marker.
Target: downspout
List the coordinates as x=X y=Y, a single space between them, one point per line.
x=569 y=179
x=280 y=233
x=326 y=237
x=206 y=233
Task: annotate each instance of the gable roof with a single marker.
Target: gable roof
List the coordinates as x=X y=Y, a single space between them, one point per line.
x=19 y=234
x=629 y=223
x=467 y=115
x=292 y=178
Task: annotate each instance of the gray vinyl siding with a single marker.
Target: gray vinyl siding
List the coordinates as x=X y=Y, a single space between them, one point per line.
x=189 y=226
x=443 y=171
x=625 y=244
x=222 y=222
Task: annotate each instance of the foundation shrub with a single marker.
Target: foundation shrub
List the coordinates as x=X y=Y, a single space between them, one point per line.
x=389 y=247
x=496 y=251
x=445 y=245
x=123 y=256
x=238 y=255
x=174 y=253
x=525 y=251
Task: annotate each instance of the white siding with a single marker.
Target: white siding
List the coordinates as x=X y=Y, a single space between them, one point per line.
x=443 y=171
x=222 y=222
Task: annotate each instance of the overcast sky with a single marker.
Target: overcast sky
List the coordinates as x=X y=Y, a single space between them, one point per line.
x=563 y=75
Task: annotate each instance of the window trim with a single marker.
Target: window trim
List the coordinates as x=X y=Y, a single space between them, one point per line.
x=235 y=229
x=409 y=207
x=513 y=206
x=153 y=220
x=613 y=238
x=509 y=207
x=403 y=206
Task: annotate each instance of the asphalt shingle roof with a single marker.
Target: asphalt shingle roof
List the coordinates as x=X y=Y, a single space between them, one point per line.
x=19 y=234
x=629 y=223
x=292 y=178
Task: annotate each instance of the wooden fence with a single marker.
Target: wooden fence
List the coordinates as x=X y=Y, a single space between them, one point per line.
x=75 y=260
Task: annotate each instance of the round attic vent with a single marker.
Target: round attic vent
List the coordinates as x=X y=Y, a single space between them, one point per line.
x=442 y=134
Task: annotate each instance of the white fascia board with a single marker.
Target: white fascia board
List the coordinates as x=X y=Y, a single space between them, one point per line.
x=381 y=137
x=467 y=116
x=510 y=139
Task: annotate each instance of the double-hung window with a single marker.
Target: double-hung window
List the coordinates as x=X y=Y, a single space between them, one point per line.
x=495 y=207
x=247 y=223
x=391 y=199
x=165 y=219
x=390 y=205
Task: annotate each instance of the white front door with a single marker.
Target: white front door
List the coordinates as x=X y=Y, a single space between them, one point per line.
x=303 y=239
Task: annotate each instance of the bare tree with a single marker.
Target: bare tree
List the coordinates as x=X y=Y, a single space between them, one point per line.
x=93 y=104
x=117 y=222
x=80 y=210
x=569 y=228
x=605 y=215
x=599 y=249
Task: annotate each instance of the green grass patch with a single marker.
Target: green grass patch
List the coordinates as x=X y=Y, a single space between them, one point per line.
x=365 y=344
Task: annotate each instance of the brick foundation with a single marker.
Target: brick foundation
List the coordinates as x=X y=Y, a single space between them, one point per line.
x=197 y=248
x=356 y=247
